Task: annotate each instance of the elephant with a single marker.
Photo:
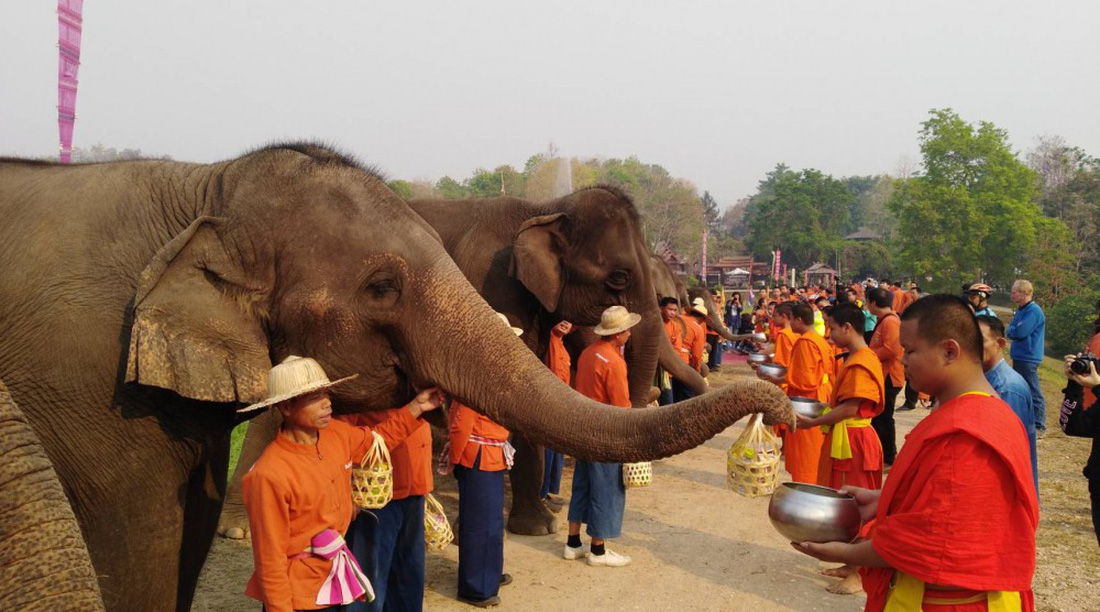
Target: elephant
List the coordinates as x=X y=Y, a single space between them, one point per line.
x=144 y=301
x=43 y=546
x=538 y=263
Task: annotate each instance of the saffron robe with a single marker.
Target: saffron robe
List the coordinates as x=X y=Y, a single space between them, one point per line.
x=807 y=376
x=858 y=377
x=784 y=344
x=959 y=508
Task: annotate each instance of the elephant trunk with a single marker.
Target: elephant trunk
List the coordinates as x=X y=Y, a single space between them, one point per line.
x=43 y=558
x=482 y=364
x=641 y=355
x=715 y=323
x=671 y=362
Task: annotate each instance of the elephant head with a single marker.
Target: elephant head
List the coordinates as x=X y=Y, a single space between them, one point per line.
x=666 y=283
x=43 y=546
x=308 y=253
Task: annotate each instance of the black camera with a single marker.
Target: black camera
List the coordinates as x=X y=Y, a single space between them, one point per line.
x=1080 y=363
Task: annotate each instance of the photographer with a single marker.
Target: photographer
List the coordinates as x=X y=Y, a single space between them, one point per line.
x=1084 y=422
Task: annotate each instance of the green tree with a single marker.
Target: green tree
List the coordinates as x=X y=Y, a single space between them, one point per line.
x=972 y=213
x=711 y=214
x=451 y=189
x=403 y=189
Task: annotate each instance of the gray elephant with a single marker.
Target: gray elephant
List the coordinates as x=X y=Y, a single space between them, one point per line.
x=42 y=542
x=539 y=263
x=144 y=301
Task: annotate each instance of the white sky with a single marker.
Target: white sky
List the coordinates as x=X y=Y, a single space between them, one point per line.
x=717 y=92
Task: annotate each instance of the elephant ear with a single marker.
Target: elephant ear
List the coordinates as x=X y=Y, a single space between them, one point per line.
x=198 y=323
x=537 y=254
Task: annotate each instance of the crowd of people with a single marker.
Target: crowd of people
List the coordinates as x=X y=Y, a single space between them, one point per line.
x=953 y=525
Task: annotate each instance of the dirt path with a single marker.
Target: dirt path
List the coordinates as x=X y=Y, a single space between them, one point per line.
x=696 y=546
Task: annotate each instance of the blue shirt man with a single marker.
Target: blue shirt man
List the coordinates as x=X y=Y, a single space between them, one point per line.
x=1027 y=333
x=1008 y=383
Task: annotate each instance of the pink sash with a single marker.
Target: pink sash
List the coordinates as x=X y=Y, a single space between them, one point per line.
x=346 y=582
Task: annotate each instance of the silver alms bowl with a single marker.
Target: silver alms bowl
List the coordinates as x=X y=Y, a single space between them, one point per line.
x=760 y=337
x=809 y=513
x=758 y=357
x=808 y=407
x=772 y=370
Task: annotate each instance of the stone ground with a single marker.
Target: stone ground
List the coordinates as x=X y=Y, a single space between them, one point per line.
x=698 y=546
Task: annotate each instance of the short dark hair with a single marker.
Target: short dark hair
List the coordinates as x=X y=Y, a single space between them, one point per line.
x=880 y=297
x=915 y=287
x=803 y=312
x=994 y=324
x=784 y=309
x=665 y=301
x=942 y=317
x=848 y=314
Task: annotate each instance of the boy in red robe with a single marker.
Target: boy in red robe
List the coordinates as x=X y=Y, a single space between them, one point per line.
x=955 y=523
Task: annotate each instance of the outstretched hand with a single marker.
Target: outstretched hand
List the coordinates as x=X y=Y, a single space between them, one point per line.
x=427 y=400
x=866 y=498
x=830 y=552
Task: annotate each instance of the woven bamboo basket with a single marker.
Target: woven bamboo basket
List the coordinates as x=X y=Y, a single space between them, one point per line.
x=437 y=529
x=372 y=481
x=637 y=475
x=752 y=463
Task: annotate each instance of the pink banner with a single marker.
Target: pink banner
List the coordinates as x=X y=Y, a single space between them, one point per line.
x=69 y=30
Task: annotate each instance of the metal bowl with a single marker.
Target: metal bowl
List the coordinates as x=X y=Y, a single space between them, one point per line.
x=758 y=357
x=808 y=407
x=772 y=370
x=809 y=513
x=760 y=337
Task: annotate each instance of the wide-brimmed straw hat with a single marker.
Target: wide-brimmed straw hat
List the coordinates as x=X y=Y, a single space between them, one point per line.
x=614 y=320
x=515 y=330
x=699 y=306
x=293 y=377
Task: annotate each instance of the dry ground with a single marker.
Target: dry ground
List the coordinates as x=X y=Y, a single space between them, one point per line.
x=698 y=546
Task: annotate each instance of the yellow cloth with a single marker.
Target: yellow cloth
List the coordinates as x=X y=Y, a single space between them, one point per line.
x=840 y=446
x=907 y=595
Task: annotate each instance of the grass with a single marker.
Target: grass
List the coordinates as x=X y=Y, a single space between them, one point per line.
x=235 y=442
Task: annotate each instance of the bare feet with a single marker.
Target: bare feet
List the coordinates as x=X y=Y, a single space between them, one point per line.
x=849 y=586
x=839 y=572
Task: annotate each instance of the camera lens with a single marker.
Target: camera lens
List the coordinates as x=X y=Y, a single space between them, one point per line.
x=1079 y=366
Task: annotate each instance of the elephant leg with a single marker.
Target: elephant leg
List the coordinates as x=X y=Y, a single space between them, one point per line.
x=43 y=560
x=528 y=516
x=261 y=431
x=205 y=492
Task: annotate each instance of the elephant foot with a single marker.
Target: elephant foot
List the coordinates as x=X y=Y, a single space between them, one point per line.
x=532 y=521
x=233 y=523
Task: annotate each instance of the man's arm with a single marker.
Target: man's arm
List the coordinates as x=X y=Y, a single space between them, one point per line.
x=1023 y=324
x=846 y=410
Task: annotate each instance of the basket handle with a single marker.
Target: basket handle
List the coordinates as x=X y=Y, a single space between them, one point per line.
x=433 y=504
x=376 y=452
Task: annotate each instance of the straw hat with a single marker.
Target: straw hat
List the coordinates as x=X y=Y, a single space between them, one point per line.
x=699 y=306
x=515 y=330
x=614 y=320
x=293 y=377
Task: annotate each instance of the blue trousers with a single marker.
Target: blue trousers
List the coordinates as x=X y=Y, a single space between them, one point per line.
x=598 y=499
x=1030 y=372
x=389 y=545
x=480 y=531
x=681 y=391
x=551 y=472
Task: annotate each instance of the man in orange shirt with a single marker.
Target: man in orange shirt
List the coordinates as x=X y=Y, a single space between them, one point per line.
x=480 y=453
x=954 y=525
x=886 y=344
x=299 y=490
x=807 y=376
x=557 y=359
x=675 y=329
x=599 y=497
x=696 y=319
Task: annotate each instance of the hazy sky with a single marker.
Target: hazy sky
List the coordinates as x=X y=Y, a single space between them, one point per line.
x=717 y=92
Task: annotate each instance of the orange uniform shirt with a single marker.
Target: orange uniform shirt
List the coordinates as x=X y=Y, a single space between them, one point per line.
x=412 y=459
x=886 y=343
x=557 y=358
x=959 y=508
x=601 y=375
x=466 y=421
x=295 y=491
x=676 y=329
x=695 y=340
x=858 y=377
x=807 y=376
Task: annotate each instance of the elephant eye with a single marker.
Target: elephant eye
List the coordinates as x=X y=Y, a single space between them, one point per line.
x=383 y=288
x=618 y=280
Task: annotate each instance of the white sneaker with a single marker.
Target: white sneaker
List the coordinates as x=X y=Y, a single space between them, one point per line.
x=575 y=553
x=609 y=558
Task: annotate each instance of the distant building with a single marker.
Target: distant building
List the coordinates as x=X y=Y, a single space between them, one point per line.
x=736 y=272
x=864 y=234
x=665 y=252
x=821 y=275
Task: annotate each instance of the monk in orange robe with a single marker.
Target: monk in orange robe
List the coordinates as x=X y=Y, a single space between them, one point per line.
x=784 y=336
x=954 y=525
x=807 y=376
